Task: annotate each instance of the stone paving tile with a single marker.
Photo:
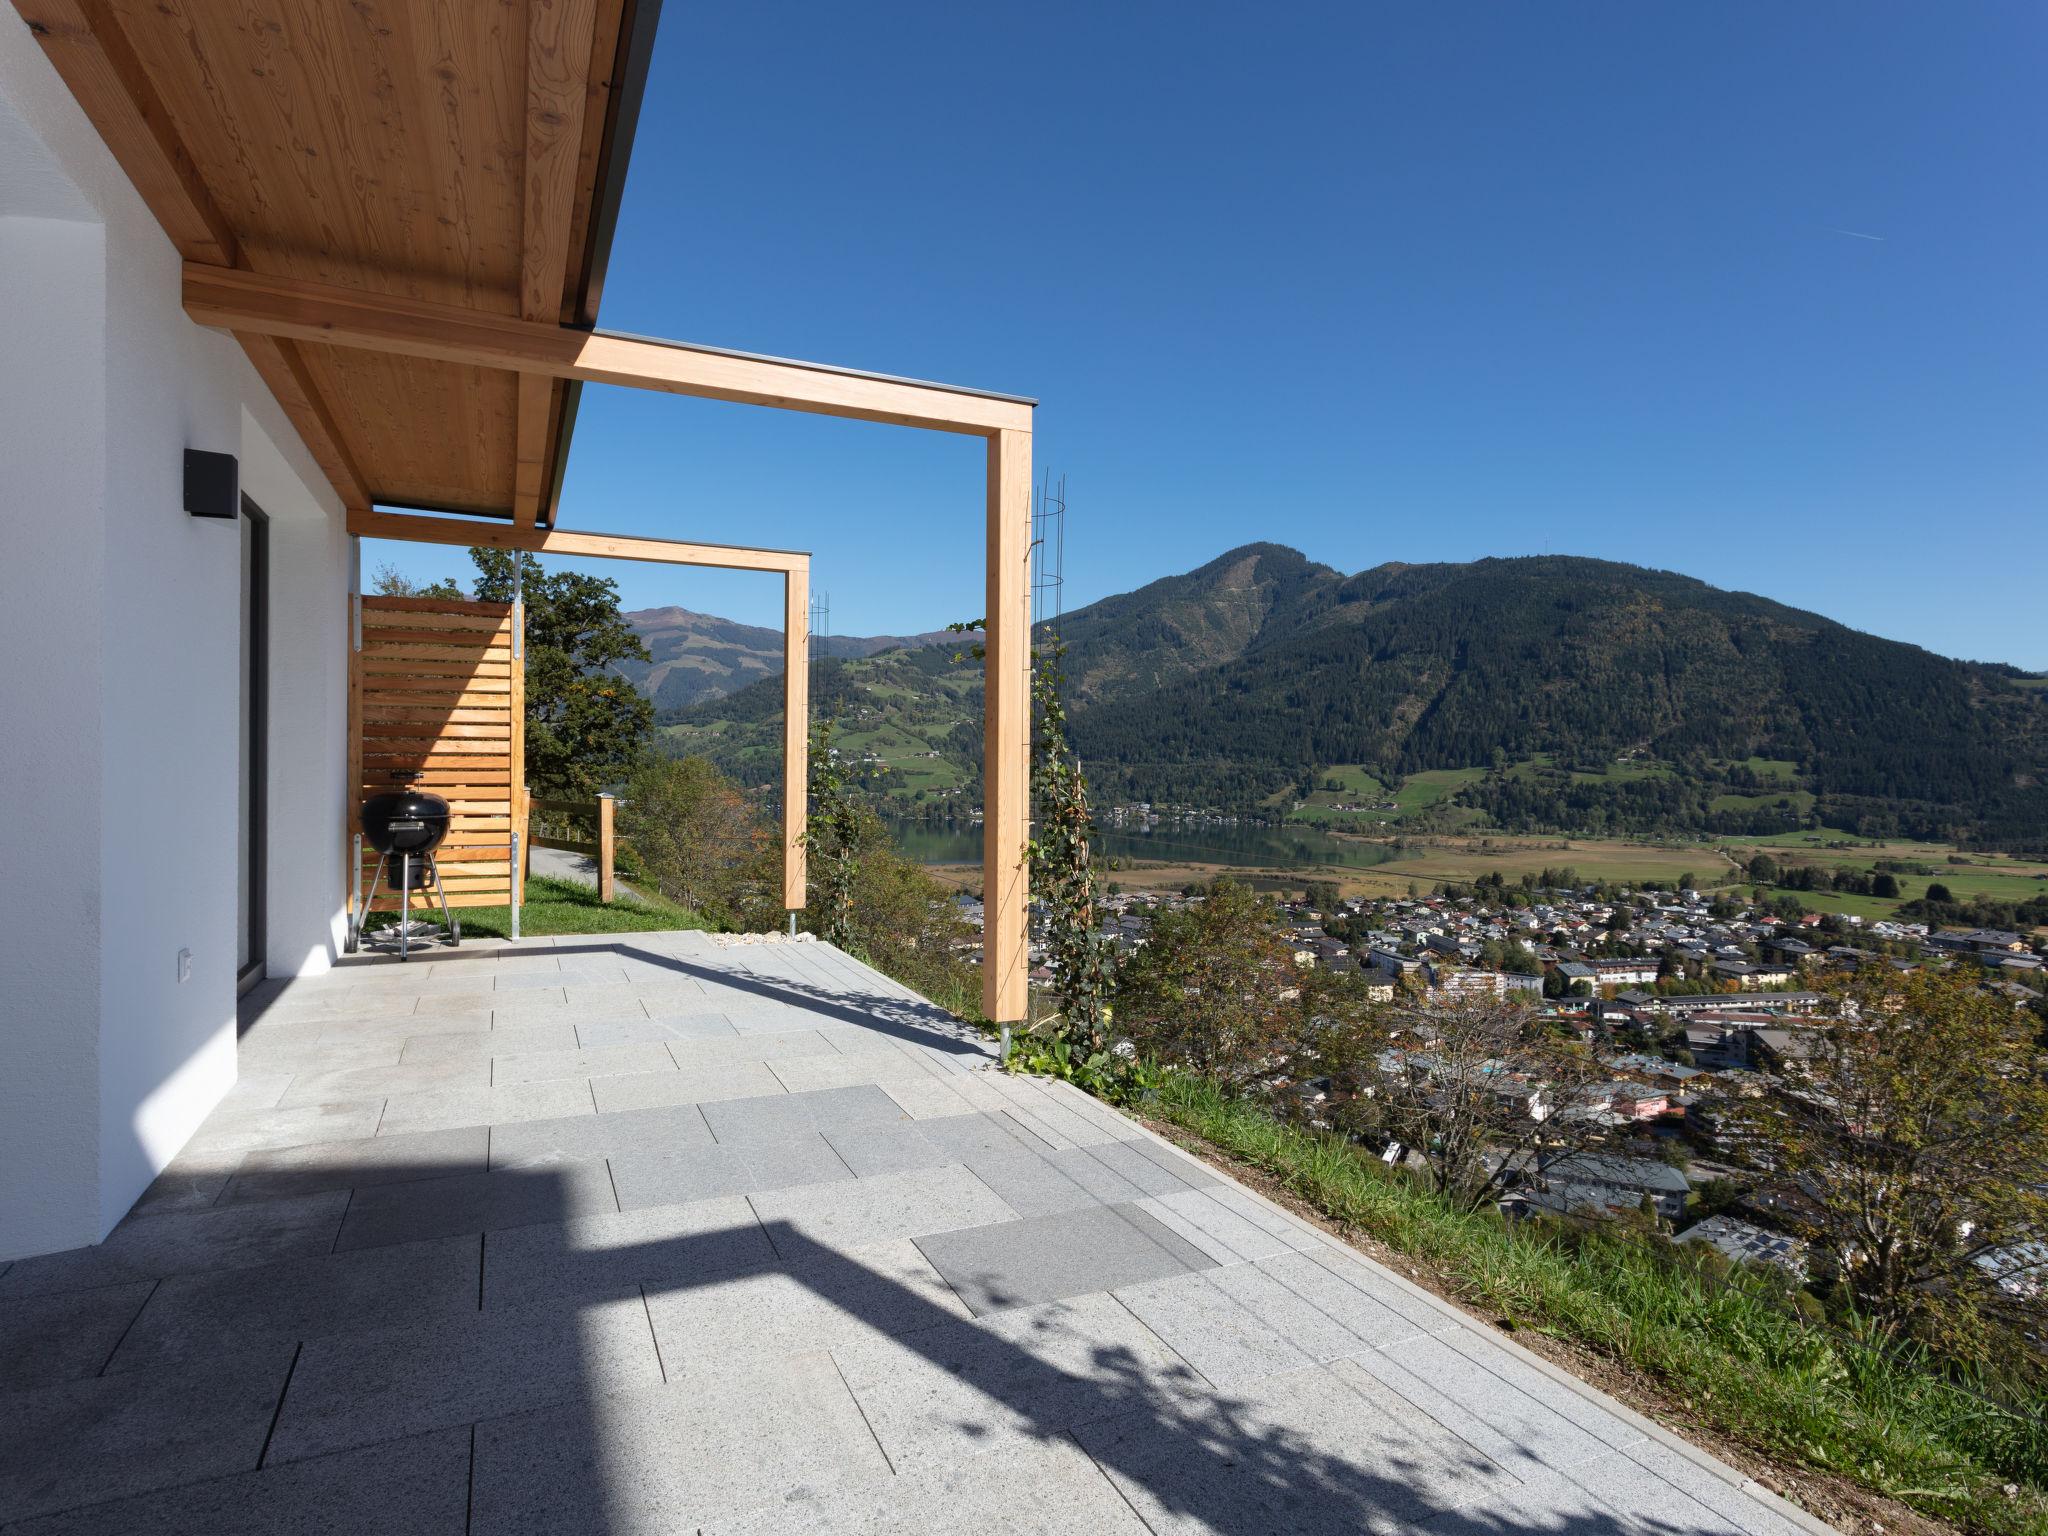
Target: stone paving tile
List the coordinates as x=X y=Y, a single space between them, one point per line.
x=1423 y=1314
x=1212 y=1330
x=475 y=1202
x=288 y=1127
x=1213 y=1227
x=673 y=1458
x=45 y=1340
x=697 y=1085
x=360 y=1388
x=111 y=1436
x=603 y=1061
x=413 y=1487
x=586 y=1138
x=927 y=1098
x=876 y=1210
x=811 y=1074
x=692 y=1024
x=1325 y=1315
x=499 y=1040
x=644 y=1179
x=819 y=1301
x=192 y=1317
x=1001 y=1382
x=448 y=1108
x=872 y=1149
x=1048 y=1488
x=780 y=1116
x=1121 y=1160
x=1662 y=1469
x=1047 y=1258
x=725 y=1051
x=622 y=1029
x=360 y=1084
x=191 y=1181
x=582 y=976
x=1309 y=1452
x=151 y=1246
x=287 y=1172
x=618 y=1253
x=1521 y=1434
x=272 y=1055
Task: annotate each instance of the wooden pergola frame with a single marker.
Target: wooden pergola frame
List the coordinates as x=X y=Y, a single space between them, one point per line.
x=253 y=305
x=794 y=566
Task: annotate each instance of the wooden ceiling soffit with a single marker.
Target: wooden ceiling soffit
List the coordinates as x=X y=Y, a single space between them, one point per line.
x=347 y=318
x=84 y=41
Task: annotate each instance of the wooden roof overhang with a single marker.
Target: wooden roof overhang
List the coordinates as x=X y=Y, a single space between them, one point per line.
x=466 y=153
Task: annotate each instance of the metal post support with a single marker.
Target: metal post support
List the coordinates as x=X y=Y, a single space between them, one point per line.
x=792 y=923
x=404 y=905
x=355 y=916
x=516 y=884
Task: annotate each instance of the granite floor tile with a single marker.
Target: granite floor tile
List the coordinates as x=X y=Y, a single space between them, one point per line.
x=45 y=1340
x=701 y=1052
x=475 y=1202
x=695 y=1085
x=361 y=1388
x=1212 y=1330
x=1046 y=1258
x=645 y=1178
x=1306 y=1452
x=584 y=1138
x=111 y=1436
x=778 y=1117
x=150 y=1246
x=193 y=1317
x=865 y=1211
x=287 y=1127
x=288 y=1172
x=672 y=1458
x=449 y=1108
x=602 y=1061
x=412 y=1487
x=617 y=1254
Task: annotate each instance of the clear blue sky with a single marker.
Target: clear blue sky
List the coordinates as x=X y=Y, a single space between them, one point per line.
x=1754 y=292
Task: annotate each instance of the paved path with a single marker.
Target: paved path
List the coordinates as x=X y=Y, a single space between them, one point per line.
x=560 y=864
x=644 y=1234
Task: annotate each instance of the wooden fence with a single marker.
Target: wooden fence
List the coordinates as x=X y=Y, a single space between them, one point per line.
x=438 y=686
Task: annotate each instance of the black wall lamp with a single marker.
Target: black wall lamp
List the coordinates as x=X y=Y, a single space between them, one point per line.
x=212 y=484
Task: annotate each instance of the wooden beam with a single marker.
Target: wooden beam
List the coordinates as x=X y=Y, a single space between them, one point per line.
x=284 y=371
x=554 y=541
x=558 y=41
x=1006 y=750
x=85 y=41
x=796 y=732
x=273 y=306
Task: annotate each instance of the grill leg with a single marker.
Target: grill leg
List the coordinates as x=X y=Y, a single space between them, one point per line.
x=363 y=914
x=434 y=868
x=404 y=906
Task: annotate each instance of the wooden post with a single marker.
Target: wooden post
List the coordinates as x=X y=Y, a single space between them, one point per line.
x=1006 y=768
x=796 y=730
x=607 y=845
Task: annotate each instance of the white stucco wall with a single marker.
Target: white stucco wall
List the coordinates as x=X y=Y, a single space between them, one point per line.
x=119 y=643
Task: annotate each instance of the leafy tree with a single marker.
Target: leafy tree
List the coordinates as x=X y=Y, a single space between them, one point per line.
x=586 y=726
x=688 y=830
x=1215 y=988
x=1475 y=1086
x=1939 y=892
x=392 y=582
x=1911 y=1147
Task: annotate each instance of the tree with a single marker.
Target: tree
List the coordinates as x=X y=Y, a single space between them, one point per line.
x=1939 y=892
x=690 y=832
x=586 y=726
x=1910 y=1144
x=1476 y=1086
x=1215 y=988
x=1884 y=885
x=390 y=581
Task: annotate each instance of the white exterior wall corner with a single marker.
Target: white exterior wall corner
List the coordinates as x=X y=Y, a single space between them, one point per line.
x=121 y=638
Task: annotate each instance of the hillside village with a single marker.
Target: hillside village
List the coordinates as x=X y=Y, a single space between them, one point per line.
x=1689 y=999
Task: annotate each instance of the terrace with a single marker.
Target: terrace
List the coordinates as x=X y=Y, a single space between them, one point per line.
x=667 y=1233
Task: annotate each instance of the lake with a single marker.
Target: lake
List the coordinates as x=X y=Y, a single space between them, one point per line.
x=1255 y=847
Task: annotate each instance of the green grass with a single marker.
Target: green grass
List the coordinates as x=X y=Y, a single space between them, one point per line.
x=1727 y=1349
x=564 y=906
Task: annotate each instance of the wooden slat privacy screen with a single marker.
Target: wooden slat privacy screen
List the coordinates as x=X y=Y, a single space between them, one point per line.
x=436 y=687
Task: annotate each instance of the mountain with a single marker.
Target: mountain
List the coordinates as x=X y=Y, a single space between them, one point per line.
x=1559 y=693
x=698 y=656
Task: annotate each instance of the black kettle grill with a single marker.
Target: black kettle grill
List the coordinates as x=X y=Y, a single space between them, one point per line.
x=405 y=825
